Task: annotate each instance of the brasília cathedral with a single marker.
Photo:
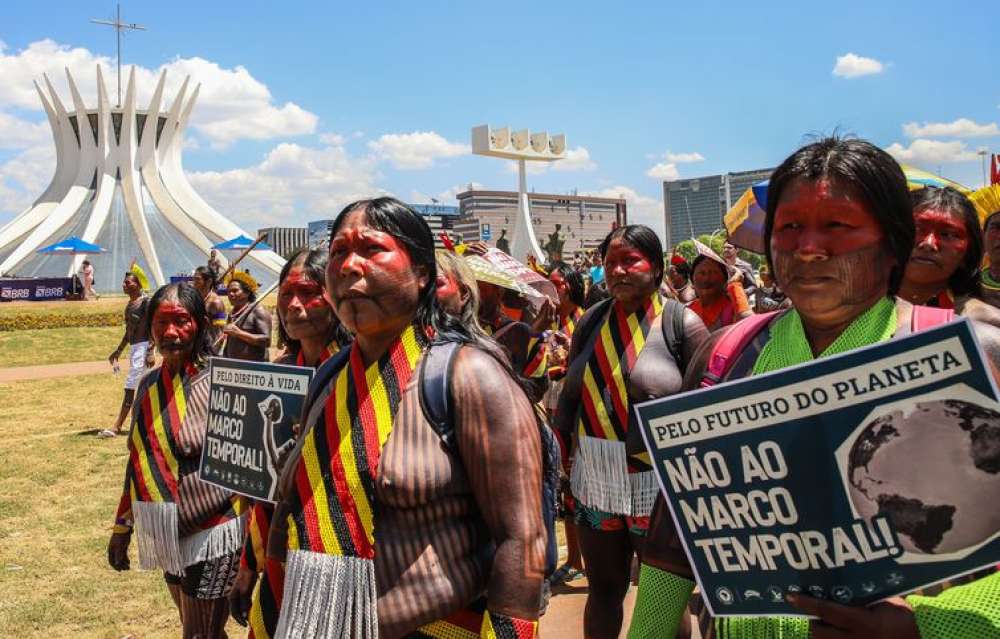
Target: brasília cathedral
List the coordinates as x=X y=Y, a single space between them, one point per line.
x=119 y=183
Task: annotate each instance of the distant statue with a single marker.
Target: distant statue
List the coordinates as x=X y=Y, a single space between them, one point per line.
x=554 y=247
x=502 y=242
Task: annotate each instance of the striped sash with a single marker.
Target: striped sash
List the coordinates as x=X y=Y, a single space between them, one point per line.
x=154 y=476
x=266 y=600
x=603 y=477
x=568 y=325
x=329 y=588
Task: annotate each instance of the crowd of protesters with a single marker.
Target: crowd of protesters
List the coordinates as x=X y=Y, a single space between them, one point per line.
x=391 y=522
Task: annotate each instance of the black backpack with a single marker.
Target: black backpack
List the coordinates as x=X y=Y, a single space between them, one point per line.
x=436 y=404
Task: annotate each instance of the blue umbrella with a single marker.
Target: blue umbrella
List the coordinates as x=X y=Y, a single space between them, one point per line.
x=72 y=246
x=241 y=243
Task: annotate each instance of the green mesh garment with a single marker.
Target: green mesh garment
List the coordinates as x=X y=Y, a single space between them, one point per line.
x=971 y=611
x=789 y=346
x=660 y=604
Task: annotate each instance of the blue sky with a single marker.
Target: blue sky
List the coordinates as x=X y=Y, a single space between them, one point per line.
x=307 y=105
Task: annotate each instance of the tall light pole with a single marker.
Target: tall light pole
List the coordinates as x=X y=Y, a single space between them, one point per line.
x=983 y=153
x=522 y=146
x=119 y=26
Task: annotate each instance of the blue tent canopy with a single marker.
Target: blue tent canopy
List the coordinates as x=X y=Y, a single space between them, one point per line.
x=241 y=243
x=72 y=246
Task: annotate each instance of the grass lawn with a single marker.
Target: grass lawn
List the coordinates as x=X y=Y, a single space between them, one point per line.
x=59 y=487
x=58 y=345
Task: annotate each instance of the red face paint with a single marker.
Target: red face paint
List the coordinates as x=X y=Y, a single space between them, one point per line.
x=709 y=279
x=562 y=288
x=371 y=278
x=942 y=242
x=303 y=307
x=449 y=294
x=174 y=330
x=828 y=250
x=630 y=274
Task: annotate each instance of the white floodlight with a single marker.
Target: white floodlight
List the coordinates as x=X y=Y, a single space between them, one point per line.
x=520 y=146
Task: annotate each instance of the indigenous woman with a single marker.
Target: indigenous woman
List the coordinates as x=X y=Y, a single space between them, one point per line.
x=943 y=270
x=387 y=529
x=570 y=288
x=523 y=344
x=188 y=528
x=678 y=280
x=205 y=280
x=457 y=292
x=721 y=299
x=839 y=231
x=618 y=356
x=312 y=333
x=248 y=333
x=987 y=201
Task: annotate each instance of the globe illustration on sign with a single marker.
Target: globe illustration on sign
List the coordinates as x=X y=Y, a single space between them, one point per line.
x=932 y=470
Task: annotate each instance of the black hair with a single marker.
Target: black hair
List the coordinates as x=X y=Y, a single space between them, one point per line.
x=875 y=175
x=187 y=296
x=642 y=238
x=208 y=274
x=133 y=276
x=251 y=295
x=313 y=263
x=573 y=279
x=965 y=279
x=684 y=269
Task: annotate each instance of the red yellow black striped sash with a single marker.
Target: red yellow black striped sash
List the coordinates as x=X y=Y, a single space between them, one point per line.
x=153 y=450
x=266 y=600
x=332 y=508
x=617 y=347
x=568 y=325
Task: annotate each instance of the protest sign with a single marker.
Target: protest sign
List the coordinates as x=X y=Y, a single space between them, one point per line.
x=852 y=478
x=254 y=408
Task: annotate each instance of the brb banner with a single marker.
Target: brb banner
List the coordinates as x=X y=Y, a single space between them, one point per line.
x=51 y=288
x=852 y=478
x=254 y=411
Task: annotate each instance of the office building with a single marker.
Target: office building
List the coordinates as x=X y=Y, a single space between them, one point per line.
x=583 y=221
x=439 y=217
x=695 y=206
x=285 y=240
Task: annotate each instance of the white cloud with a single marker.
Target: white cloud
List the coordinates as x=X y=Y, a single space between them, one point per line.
x=16 y=133
x=960 y=128
x=641 y=209
x=24 y=177
x=664 y=171
x=931 y=152
x=232 y=104
x=293 y=184
x=577 y=159
x=667 y=168
x=333 y=139
x=450 y=196
x=852 y=65
x=417 y=150
x=683 y=158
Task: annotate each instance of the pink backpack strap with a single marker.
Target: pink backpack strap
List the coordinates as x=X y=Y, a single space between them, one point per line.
x=925 y=317
x=731 y=344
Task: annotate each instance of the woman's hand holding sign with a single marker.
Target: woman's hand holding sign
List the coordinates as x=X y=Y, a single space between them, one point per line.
x=892 y=618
